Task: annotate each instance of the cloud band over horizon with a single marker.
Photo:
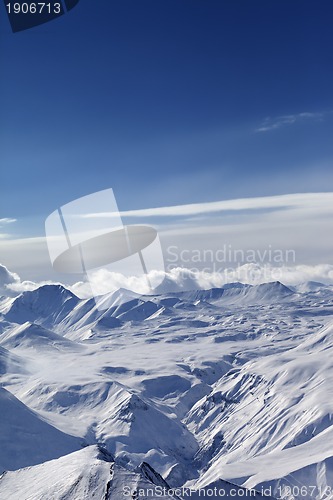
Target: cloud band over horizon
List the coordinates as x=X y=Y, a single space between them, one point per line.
x=300 y=222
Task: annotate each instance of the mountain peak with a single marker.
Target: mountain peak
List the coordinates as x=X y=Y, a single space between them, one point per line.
x=277 y=285
x=154 y=477
x=48 y=302
x=53 y=288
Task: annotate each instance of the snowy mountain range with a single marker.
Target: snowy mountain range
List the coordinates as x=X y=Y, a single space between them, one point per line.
x=182 y=393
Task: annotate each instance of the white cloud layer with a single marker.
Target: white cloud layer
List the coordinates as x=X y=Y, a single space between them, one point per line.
x=184 y=279
x=300 y=224
x=179 y=278
x=7 y=278
x=11 y=284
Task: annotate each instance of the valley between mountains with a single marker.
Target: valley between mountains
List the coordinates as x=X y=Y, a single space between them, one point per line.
x=187 y=392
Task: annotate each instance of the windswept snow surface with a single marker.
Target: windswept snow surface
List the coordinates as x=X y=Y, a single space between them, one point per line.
x=25 y=438
x=209 y=390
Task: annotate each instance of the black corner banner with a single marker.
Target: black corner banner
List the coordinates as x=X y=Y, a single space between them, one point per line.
x=24 y=15
x=70 y=4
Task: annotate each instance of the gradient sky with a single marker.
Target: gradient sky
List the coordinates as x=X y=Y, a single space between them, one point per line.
x=168 y=102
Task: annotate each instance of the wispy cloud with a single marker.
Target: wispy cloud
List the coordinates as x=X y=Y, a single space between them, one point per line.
x=7 y=220
x=314 y=200
x=284 y=120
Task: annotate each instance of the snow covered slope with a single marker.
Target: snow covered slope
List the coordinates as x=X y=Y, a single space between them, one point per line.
x=203 y=389
x=83 y=474
x=26 y=439
x=92 y=473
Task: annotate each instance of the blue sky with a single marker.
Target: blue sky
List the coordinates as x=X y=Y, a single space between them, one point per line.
x=168 y=102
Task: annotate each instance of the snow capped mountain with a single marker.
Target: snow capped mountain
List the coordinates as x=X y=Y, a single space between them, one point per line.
x=55 y=307
x=33 y=335
x=227 y=388
x=92 y=473
x=49 y=303
x=82 y=474
x=237 y=293
x=312 y=286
